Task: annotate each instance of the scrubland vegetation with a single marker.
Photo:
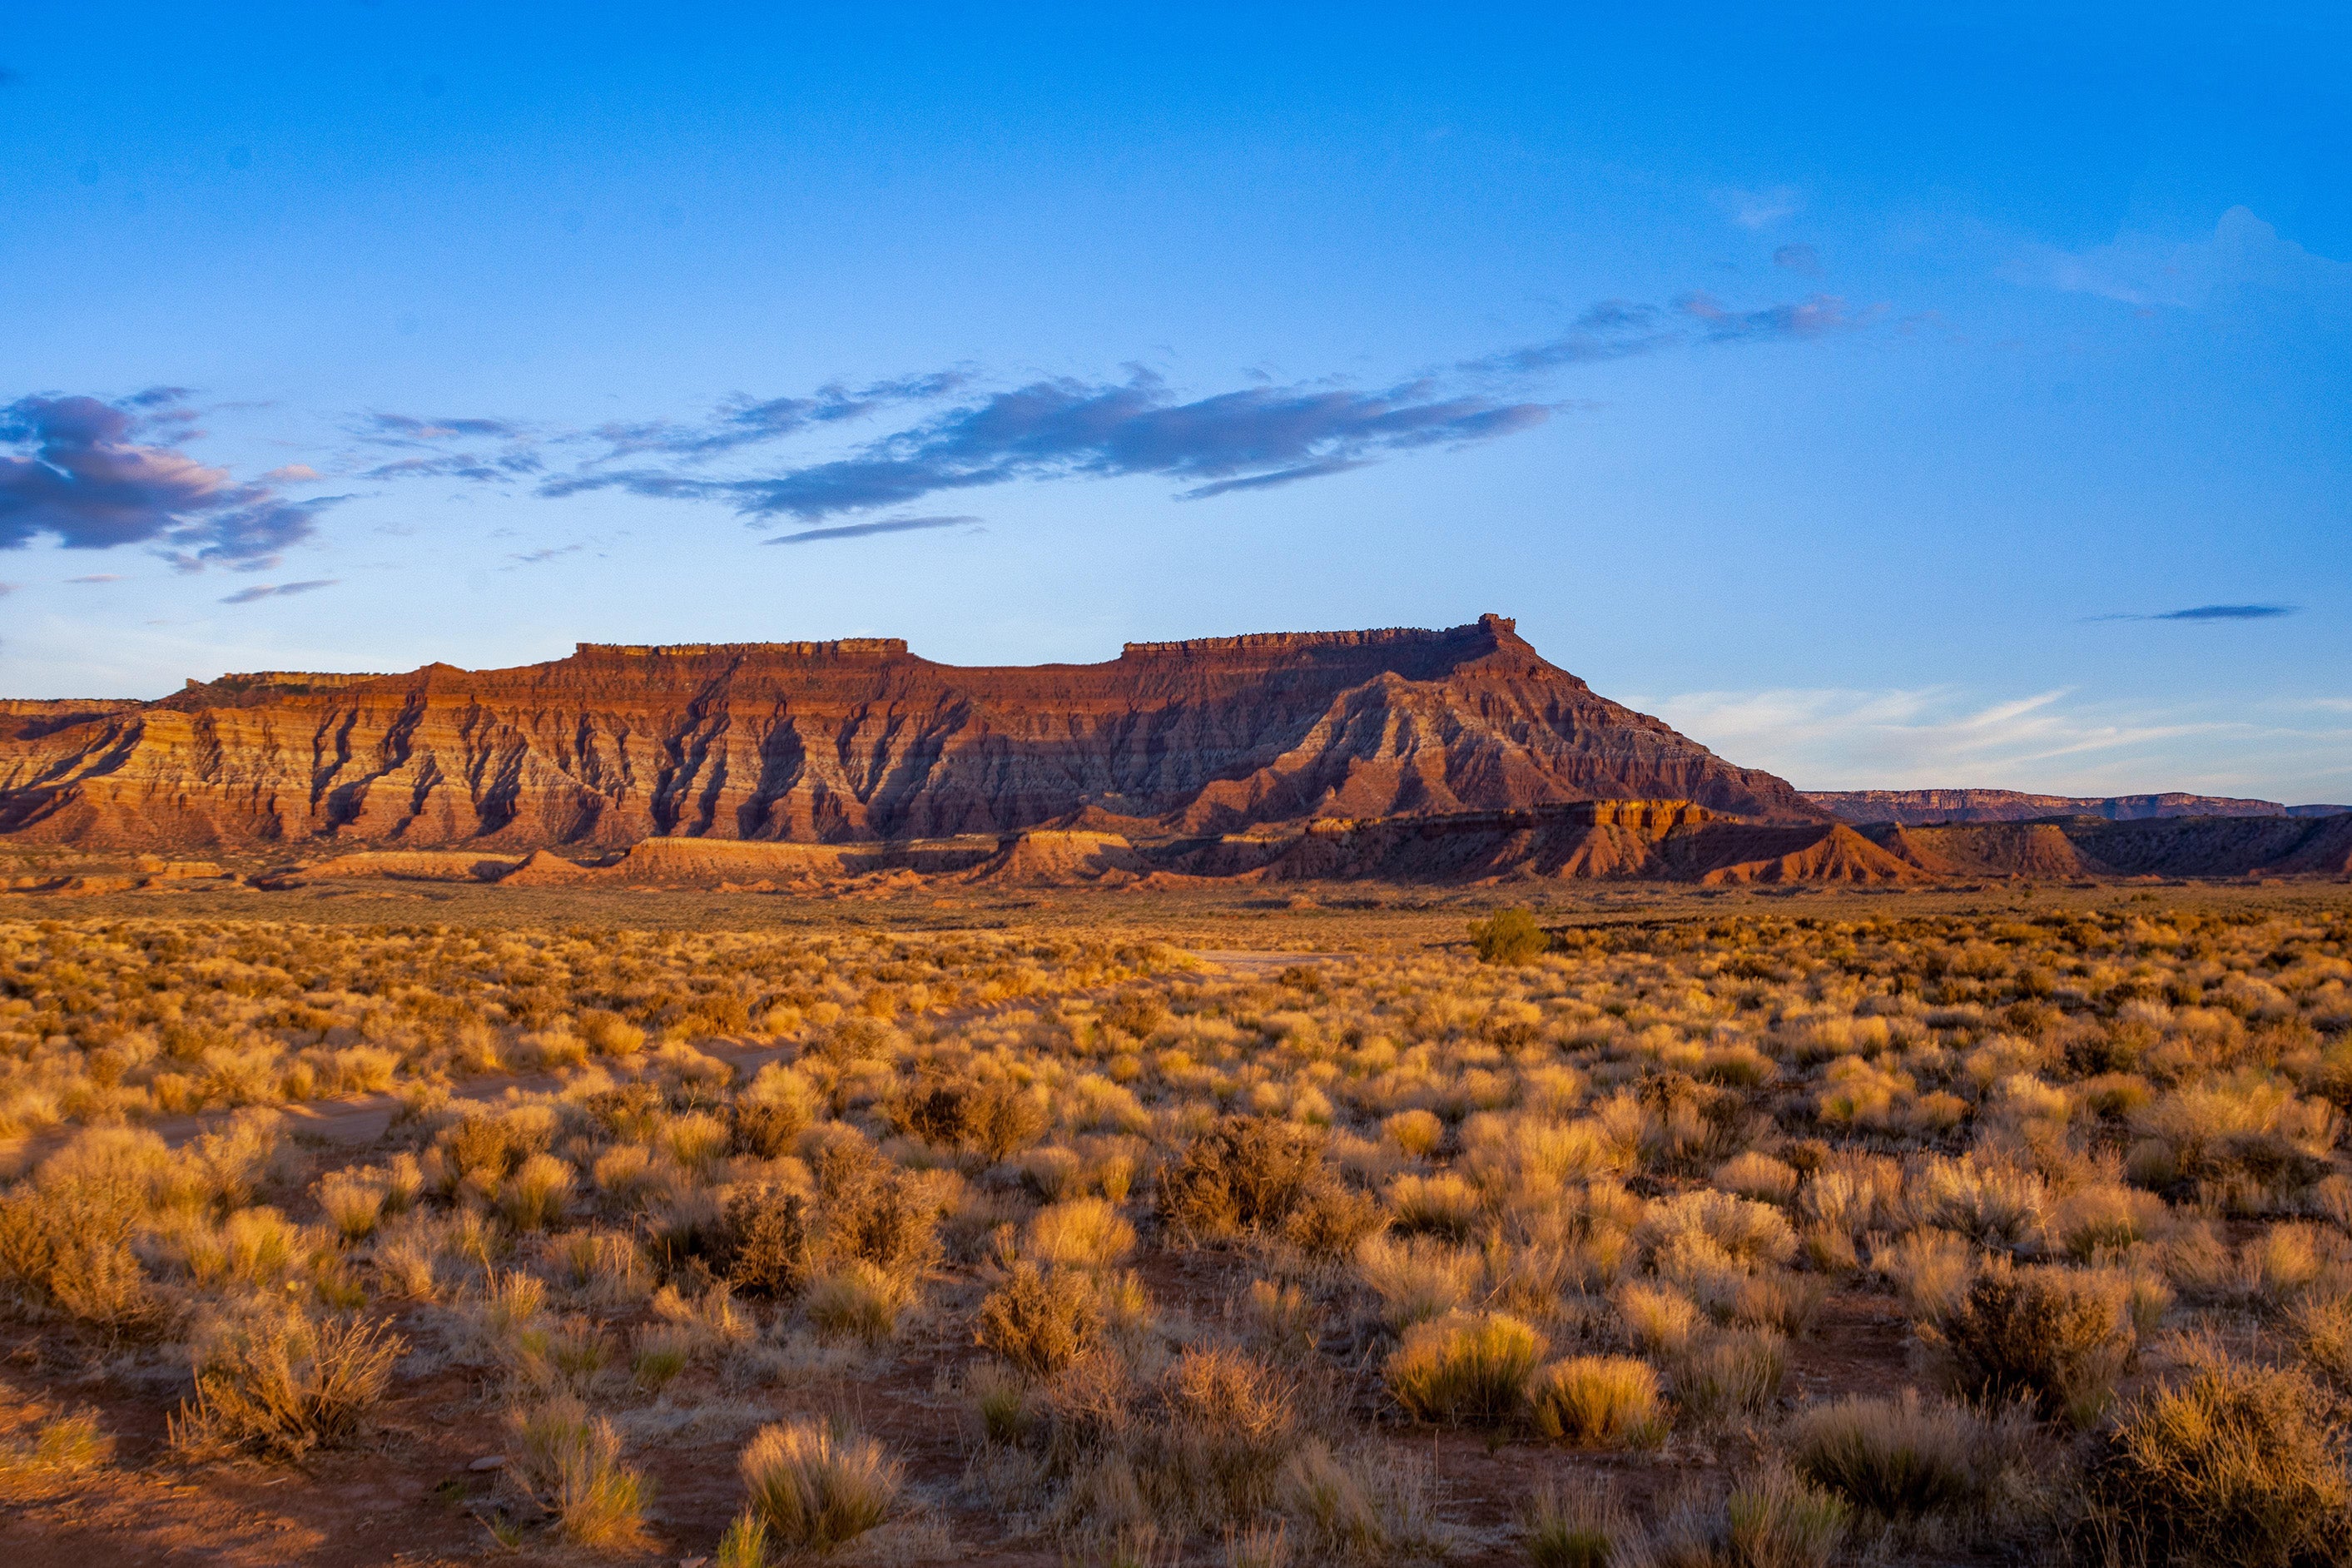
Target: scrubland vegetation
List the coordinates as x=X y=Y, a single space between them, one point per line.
x=1749 y=1242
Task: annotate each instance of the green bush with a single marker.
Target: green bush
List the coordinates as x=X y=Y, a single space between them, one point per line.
x=1509 y=936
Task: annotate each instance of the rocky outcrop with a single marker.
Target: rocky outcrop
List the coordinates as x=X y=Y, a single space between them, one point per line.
x=29 y=719
x=2157 y=847
x=856 y=741
x=1916 y=806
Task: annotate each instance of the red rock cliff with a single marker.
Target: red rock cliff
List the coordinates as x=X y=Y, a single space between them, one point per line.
x=861 y=740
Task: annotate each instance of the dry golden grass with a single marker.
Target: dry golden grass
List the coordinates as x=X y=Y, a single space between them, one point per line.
x=1204 y=1256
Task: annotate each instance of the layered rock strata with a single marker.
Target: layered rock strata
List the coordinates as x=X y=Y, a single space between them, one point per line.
x=856 y=741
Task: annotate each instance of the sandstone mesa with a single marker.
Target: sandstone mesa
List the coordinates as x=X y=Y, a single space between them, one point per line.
x=1457 y=755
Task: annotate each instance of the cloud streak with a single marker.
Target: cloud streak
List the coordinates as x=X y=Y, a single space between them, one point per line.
x=886 y=525
x=95 y=474
x=260 y=591
x=2211 y=613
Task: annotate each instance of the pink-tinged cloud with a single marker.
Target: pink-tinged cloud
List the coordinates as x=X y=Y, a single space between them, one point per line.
x=83 y=475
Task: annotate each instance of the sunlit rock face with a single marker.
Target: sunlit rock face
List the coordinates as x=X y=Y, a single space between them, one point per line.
x=857 y=741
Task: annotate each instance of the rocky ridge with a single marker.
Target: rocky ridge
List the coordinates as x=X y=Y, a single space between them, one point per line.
x=852 y=742
x=1918 y=806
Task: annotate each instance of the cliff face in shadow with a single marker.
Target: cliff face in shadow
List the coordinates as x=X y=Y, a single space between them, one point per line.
x=856 y=741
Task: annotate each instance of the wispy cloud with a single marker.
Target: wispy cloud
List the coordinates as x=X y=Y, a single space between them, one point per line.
x=8 y=588
x=1071 y=428
x=1253 y=439
x=2210 y=613
x=541 y=557
x=95 y=577
x=1939 y=737
x=742 y=421
x=407 y=428
x=1620 y=328
x=1614 y=328
x=1813 y=318
x=2149 y=270
x=886 y=525
x=279 y=590
x=95 y=474
x=1760 y=209
x=98 y=475
x=1798 y=258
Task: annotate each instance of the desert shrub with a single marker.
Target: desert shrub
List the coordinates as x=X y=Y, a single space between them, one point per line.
x=630 y=1111
x=1415 y=1132
x=2103 y=1218
x=570 y=1463
x=858 y=1298
x=1773 y=1519
x=278 y=1386
x=2230 y=1463
x=1900 y=1458
x=1416 y=1279
x=1465 y=1369
x=2044 y=1334
x=66 y=1238
x=1737 y=1372
x=1992 y=1202
x=1758 y=1175
x=993 y=1118
x=1040 y=1322
x=1510 y=937
x=2321 y=1329
x=351 y=1203
x=1246 y=1174
x=1657 y=1317
x=768 y=1234
x=487 y=1148
x=1442 y=1205
x=1331 y=1218
x=533 y=1197
x=662 y=1350
x=764 y=1129
x=1598 y=1402
x=608 y=1033
x=1081 y=1232
x=813 y=1487
x=1777 y=1521
x=1137 y=1013
x=1579 y=1530
x=1706 y=1229
x=1932 y=1271
x=744 y=1544
x=774 y=1239
x=1331 y=1503
x=1230 y=1422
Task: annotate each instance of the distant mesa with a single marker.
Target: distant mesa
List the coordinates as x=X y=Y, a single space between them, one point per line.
x=1939 y=806
x=1455 y=756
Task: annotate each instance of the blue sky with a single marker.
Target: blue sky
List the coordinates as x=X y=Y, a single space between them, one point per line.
x=1867 y=391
